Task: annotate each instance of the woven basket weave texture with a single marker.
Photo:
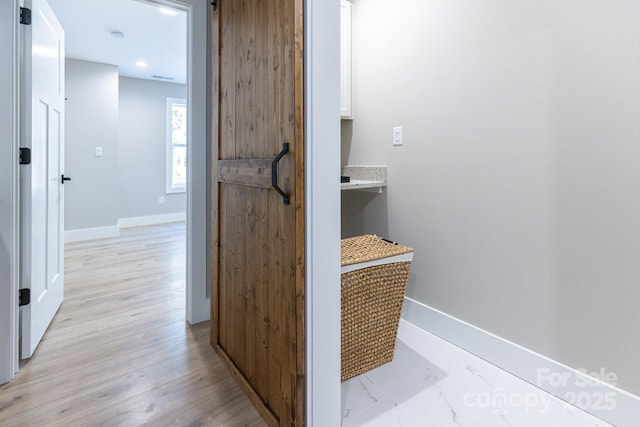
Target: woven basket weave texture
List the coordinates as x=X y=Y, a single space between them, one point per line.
x=371 y=301
x=368 y=248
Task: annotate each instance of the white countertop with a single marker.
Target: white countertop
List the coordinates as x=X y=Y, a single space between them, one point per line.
x=368 y=178
x=357 y=184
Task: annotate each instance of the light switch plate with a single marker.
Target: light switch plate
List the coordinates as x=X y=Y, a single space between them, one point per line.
x=397 y=136
x=98 y=152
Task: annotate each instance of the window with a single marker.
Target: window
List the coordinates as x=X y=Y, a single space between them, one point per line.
x=176 y=145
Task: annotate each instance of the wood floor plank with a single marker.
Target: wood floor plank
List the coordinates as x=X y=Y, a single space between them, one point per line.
x=119 y=352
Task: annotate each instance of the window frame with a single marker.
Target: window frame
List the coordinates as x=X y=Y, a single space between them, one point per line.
x=169 y=187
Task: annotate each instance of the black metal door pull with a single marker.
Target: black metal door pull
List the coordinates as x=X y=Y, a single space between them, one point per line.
x=64 y=178
x=274 y=173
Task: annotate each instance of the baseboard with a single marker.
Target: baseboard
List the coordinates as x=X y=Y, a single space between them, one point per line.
x=114 y=230
x=91 y=233
x=139 y=221
x=603 y=400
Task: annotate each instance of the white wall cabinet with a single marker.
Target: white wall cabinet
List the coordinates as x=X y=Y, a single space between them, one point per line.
x=346 y=111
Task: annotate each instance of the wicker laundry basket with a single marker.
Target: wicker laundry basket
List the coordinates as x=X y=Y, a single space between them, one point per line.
x=374 y=279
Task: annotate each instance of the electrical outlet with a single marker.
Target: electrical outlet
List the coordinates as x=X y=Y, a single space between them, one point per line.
x=397 y=136
x=161 y=200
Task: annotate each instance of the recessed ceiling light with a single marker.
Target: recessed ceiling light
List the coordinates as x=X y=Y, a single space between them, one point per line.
x=167 y=11
x=117 y=34
x=142 y=64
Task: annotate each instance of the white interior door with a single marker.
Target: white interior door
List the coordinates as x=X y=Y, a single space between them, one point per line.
x=42 y=187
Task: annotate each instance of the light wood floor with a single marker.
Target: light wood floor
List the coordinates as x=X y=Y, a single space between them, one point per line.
x=119 y=352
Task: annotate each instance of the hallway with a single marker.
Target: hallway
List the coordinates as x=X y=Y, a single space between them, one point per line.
x=119 y=351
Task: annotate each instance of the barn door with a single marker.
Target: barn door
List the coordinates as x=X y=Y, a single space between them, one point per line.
x=258 y=261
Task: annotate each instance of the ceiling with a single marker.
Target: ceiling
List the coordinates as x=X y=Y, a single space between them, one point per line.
x=155 y=38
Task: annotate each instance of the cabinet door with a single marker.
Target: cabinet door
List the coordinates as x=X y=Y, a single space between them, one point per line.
x=345 y=60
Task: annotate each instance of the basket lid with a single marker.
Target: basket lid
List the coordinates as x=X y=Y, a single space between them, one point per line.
x=367 y=248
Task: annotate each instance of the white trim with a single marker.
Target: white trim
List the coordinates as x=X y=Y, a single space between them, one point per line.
x=9 y=190
x=524 y=363
x=140 y=221
x=91 y=233
x=197 y=280
x=406 y=257
x=114 y=230
x=322 y=200
x=198 y=307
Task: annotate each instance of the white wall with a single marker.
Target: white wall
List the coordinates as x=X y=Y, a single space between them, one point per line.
x=322 y=229
x=142 y=148
x=91 y=198
x=519 y=179
x=8 y=188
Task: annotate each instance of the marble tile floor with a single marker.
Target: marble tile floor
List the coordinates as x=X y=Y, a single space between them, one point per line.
x=433 y=383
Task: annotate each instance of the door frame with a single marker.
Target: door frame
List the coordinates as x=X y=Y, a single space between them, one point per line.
x=9 y=190
x=322 y=217
x=197 y=262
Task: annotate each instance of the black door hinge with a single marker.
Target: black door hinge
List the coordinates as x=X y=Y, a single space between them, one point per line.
x=25 y=297
x=214 y=3
x=25 y=156
x=25 y=16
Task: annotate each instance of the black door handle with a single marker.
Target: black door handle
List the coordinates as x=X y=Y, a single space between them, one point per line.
x=274 y=173
x=64 y=178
